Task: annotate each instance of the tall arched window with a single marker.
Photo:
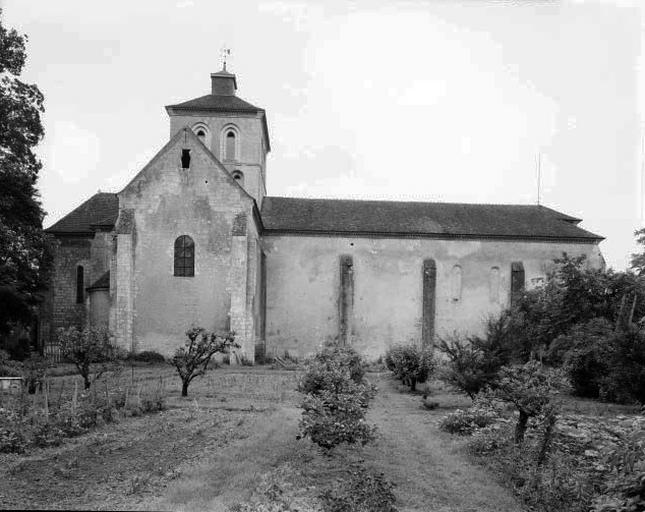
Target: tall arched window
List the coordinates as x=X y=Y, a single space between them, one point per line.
x=80 y=285
x=455 y=283
x=230 y=145
x=184 y=256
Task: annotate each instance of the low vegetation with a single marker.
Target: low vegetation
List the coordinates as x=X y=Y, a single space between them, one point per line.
x=54 y=413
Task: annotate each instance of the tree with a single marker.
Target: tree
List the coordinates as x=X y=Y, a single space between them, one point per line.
x=24 y=258
x=90 y=350
x=410 y=363
x=192 y=360
x=638 y=259
x=530 y=388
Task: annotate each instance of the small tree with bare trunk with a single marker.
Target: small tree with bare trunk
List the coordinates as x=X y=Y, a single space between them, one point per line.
x=91 y=351
x=192 y=359
x=531 y=388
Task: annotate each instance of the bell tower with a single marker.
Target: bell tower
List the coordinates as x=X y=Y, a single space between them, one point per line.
x=232 y=129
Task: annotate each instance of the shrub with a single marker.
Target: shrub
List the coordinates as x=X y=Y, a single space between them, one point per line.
x=192 y=359
x=90 y=350
x=360 y=491
x=410 y=363
x=9 y=367
x=625 y=380
x=337 y=396
x=34 y=369
x=331 y=369
x=331 y=418
x=474 y=362
x=467 y=422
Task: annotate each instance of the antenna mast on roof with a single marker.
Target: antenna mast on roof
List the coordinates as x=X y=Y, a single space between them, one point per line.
x=538 y=164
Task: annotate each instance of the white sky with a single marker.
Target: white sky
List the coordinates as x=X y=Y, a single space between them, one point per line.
x=438 y=100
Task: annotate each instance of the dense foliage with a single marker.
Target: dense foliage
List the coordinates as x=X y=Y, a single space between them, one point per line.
x=24 y=259
x=360 y=491
x=90 y=350
x=193 y=358
x=411 y=363
x=473 y=362
x=336 y=399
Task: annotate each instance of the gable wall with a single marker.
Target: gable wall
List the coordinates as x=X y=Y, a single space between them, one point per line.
x=304 y=280
x=168 y=202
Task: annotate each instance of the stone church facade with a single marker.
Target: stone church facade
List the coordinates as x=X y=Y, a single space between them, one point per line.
x=194 y=239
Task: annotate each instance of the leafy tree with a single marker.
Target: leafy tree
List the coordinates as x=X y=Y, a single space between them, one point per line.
x=91 y=351
x=530 y=388
x=23 y=251
x=638 y=259
x=192 y=359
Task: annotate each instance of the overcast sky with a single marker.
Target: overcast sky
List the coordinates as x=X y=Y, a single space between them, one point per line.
x=441 y=100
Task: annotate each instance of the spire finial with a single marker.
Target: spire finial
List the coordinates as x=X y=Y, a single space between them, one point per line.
x=224 y=53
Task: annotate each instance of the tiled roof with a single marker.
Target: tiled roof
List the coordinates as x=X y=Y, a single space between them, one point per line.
x=439 y=220
x=101 y=282
x=99 y=210
x=217 y=103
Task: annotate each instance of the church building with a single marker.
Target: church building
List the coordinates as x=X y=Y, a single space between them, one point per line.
x=194 y=240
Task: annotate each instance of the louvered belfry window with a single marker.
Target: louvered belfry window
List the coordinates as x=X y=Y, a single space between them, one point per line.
x=184 y=256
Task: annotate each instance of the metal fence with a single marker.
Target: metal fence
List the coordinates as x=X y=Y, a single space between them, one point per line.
x=52 y=352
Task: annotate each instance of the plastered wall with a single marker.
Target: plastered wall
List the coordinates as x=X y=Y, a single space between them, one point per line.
x=303 y=280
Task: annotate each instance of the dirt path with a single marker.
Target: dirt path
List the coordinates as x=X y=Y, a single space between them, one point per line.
x=425 y=464
x=429 y=471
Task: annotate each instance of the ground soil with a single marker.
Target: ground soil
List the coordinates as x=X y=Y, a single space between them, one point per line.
x=234 y=438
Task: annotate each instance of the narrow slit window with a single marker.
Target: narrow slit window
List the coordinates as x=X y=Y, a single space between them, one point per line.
x=518 y=282
x=494 y=285
x=185 y=158
x=80 y=285
x=455 y=283
x=230 y=145
x=184 y=256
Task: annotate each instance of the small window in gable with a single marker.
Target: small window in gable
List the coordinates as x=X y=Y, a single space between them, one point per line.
x=239 y=177
x=80 y=285
x=184 y=256
x=185 y=158
x=230 y=145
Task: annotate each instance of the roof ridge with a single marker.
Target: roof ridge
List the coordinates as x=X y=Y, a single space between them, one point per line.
x=374 y=200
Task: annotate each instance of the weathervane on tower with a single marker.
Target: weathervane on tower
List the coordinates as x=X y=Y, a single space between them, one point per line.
x=224 y=53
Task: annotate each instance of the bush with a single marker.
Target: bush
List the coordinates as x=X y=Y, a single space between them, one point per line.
x=147 y=356
x=34 y=369
x=467 y=422
x=410 y=363
x=360 y=491
x=337 y=396
x=474 y=362
x=331 y=418
x=9 y=367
